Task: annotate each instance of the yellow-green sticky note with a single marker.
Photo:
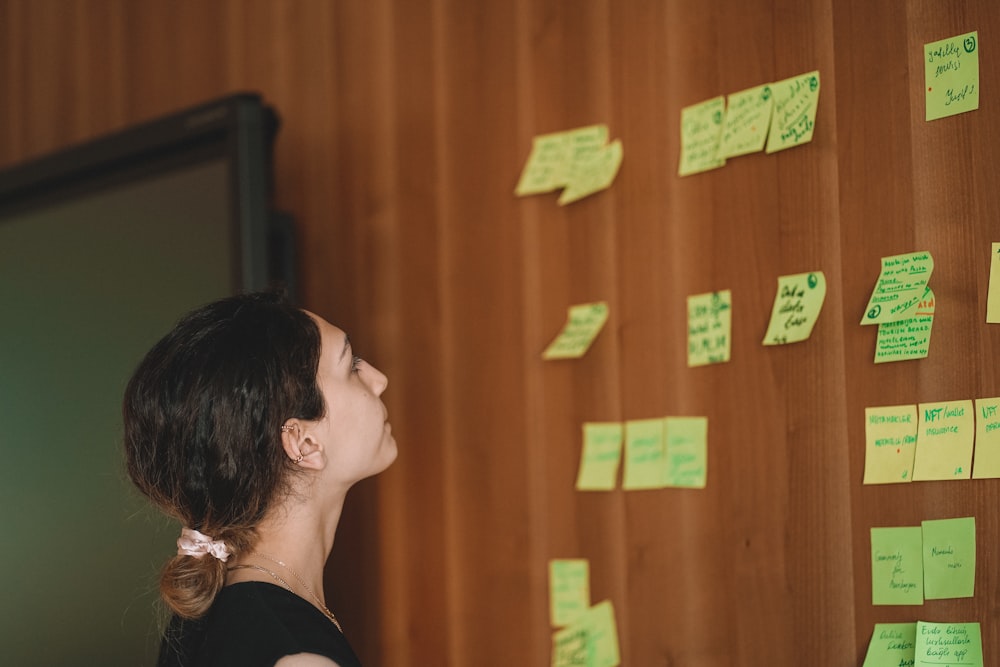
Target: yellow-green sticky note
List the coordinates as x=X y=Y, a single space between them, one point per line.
x=748 y=117
x=602 y=453
x=945 y=435
x=794 y=117
x=592 y=172
x=591 y=641
x=686 y=460
x=644 y=454
x=569 y=589
x=951 y=75
x=890 y=443
x=548 y=165
x=993 y=295
x=950 y=644
x=987 y=455
x=583 y=323
x=796 y=307
x=892 y=645
x=897 y=566
x=701 y=131
x=949 y=558
x=909 y=338
x=709 y=328
x=900 y=287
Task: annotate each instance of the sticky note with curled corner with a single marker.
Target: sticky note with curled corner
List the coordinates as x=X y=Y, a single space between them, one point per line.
x=899 y=288
x=590 y=641
x=796 y=308
x=793 y=120
x=592 y=173
x=552 y=155
x=583 y=323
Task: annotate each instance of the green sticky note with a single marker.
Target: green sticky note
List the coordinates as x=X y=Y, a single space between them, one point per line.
x=709 y=328
x=909 y=338
x=900 y=287
x=552 y=156
x=949 y=558
x=701 y=131
x=583 y=323
x=591 y=641
x=748 y=117
x=569 y=590
x=945 y=436
x=897 y=566
x=987 y=456
x=602 y=452
x=793 y=119
x=686 y=460
x=644 y=454
x=890 y=444
x=993 y=295
x=951 y=644
x=796 y=307
x=592 y=173
x=951 y=75
x=892 y=645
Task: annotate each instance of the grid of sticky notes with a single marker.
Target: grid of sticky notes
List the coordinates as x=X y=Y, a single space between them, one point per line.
x=933 y=561
x=587 y=635
x=658 y=453
x=902 y=305
x=780 y=114
x=581 y=162
x=922 y=643
x=932 y=441
x=951 y=76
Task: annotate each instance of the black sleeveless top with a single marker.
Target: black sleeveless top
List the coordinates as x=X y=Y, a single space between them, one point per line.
x=253 y=624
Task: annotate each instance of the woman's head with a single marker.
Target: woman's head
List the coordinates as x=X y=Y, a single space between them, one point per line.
x=203 y=414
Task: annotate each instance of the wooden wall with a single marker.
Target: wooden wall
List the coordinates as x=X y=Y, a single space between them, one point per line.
x=405 y=127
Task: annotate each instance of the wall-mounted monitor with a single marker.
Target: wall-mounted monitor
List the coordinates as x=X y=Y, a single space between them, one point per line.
x=102 y=247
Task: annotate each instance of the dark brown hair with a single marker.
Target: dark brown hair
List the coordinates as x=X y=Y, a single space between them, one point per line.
x=203 y=415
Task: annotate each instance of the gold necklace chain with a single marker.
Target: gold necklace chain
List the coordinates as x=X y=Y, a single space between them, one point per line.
x=274 y=575
x=306 y=586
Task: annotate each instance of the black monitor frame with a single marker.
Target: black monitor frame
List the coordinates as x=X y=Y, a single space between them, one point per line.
x=239 y=127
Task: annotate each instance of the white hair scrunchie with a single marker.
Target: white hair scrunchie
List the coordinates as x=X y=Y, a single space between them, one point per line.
x=193 y=543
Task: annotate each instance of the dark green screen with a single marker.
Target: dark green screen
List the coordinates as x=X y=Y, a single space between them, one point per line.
x=86 y=287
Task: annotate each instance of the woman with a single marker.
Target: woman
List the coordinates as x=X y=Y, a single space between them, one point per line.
x=249 y=422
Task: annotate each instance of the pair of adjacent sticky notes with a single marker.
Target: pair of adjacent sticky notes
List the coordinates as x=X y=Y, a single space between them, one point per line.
x=932 y=441
x=951 y=76
x=934 y=561
x=923 y=643
x=902 y=305
x=589 y=636
x=581 y=161
x=783 y=114
x=658 y=453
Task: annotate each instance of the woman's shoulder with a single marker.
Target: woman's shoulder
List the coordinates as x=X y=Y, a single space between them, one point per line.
x=305 y=660
x=259 y=623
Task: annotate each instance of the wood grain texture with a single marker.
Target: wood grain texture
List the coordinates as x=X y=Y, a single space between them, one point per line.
x=405 y=125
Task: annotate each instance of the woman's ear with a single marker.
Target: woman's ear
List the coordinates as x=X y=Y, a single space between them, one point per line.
x=299 y=446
